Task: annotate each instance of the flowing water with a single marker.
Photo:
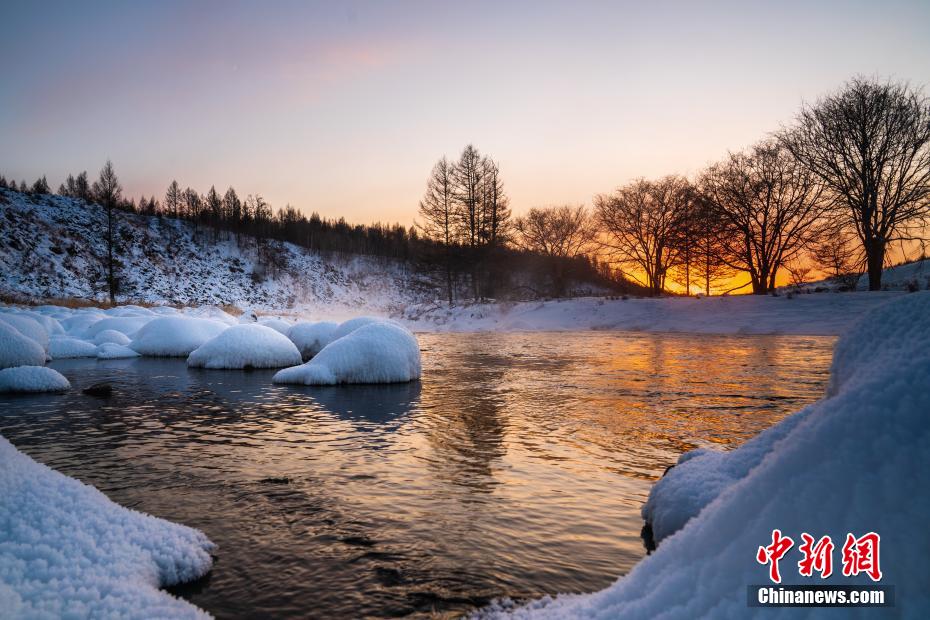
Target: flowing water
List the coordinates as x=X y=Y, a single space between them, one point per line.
x=516 y=467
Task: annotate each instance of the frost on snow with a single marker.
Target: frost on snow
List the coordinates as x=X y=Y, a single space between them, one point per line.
x=854 y=462
x=376 y=352
x=174 y=336
x=69 y=552
x=279 y=325
x=65 y=347
x=17 y=349
x=113 y=351
x=32 y=379
x=246 y=346
x=310 y=338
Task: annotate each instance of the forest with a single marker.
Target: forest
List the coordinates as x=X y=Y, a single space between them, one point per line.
x=832 y=193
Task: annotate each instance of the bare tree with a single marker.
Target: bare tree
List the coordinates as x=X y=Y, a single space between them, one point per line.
x=641 y=222
x=173 y=199
x=107 y=192
x=770 y=207
x=705 y=232
x=836 y=254
x=560 y=233
x=870 y=144
x=437 y=210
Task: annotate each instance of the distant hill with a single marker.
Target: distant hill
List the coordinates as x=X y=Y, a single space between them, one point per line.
x=53 y=247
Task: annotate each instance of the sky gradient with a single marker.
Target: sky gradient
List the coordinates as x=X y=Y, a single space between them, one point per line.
x=343 y=107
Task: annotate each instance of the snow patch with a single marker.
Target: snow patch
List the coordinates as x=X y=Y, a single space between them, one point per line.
x=113 y=351
x=66 y=347
x=310 y=338
x=17 y=349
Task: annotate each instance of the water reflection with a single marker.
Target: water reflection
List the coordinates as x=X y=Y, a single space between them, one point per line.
x=516 y=467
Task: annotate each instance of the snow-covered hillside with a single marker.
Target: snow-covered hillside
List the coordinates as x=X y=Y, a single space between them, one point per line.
x=53 y=247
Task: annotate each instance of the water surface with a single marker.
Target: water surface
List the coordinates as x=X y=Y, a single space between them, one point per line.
x=516 y=467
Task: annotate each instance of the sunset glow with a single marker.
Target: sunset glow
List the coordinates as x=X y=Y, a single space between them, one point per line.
x=343 y=108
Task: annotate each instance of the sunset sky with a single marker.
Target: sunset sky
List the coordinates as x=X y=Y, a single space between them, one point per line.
x=342 y=108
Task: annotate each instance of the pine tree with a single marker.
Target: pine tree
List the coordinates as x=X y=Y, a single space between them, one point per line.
x=107 y=193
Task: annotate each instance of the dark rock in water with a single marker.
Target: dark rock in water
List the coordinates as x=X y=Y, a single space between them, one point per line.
x=102 y=390
x=649 y=541
x=276 y=480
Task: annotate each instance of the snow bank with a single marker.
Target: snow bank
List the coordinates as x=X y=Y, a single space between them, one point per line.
x=65 y=347
x=853 y=462
x=111 y=335
x=32 y=379
x=113 y=351
x=378 y=352
x=246 y=346
x=175 y=336
x=824 y=314
x=310 y=338
x=68 y=551
x=17 y=349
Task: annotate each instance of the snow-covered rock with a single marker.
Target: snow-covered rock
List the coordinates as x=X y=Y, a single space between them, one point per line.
x=246 y=346
x=66 y=551
x=114 y=351
x=378 y=352
x=279 y=325
x=27 y=326
x=65 y=347
x=17 y=349
x=128 y=325
x=111 y=335
x=347 y=327
x=32 y=379
x=854 y=462
x=175 y=336
x=310 y=338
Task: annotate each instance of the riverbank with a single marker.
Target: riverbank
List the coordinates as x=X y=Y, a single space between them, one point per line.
x=816 y=314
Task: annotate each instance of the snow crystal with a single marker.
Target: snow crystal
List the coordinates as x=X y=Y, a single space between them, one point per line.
x=17 y=349
x=113 y=351
x=111 y=335
x=379 y=352
x=311 y=337
x=64 y=347
x=32 y=379
x=853 y=462
x=68 y=551
x=246 y=346
x=175 y=336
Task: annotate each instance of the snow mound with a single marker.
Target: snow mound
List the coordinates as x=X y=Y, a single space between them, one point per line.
x=111 y=335
x=379 y=352
x=27 y=326
x=65 y=347
x=853 y=462
x=279 y=325
x=175 y=336
x=310 y=338
x=113 y=351
x=246 y=346
x=68 y=551
x=347 y=327
x=128 y=325
x=32 y=379
x=17 y=349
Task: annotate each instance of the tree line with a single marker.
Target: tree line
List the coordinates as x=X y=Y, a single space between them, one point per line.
x=836 y=189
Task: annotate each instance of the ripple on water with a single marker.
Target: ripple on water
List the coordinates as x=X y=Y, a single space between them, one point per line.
x=516 y=467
